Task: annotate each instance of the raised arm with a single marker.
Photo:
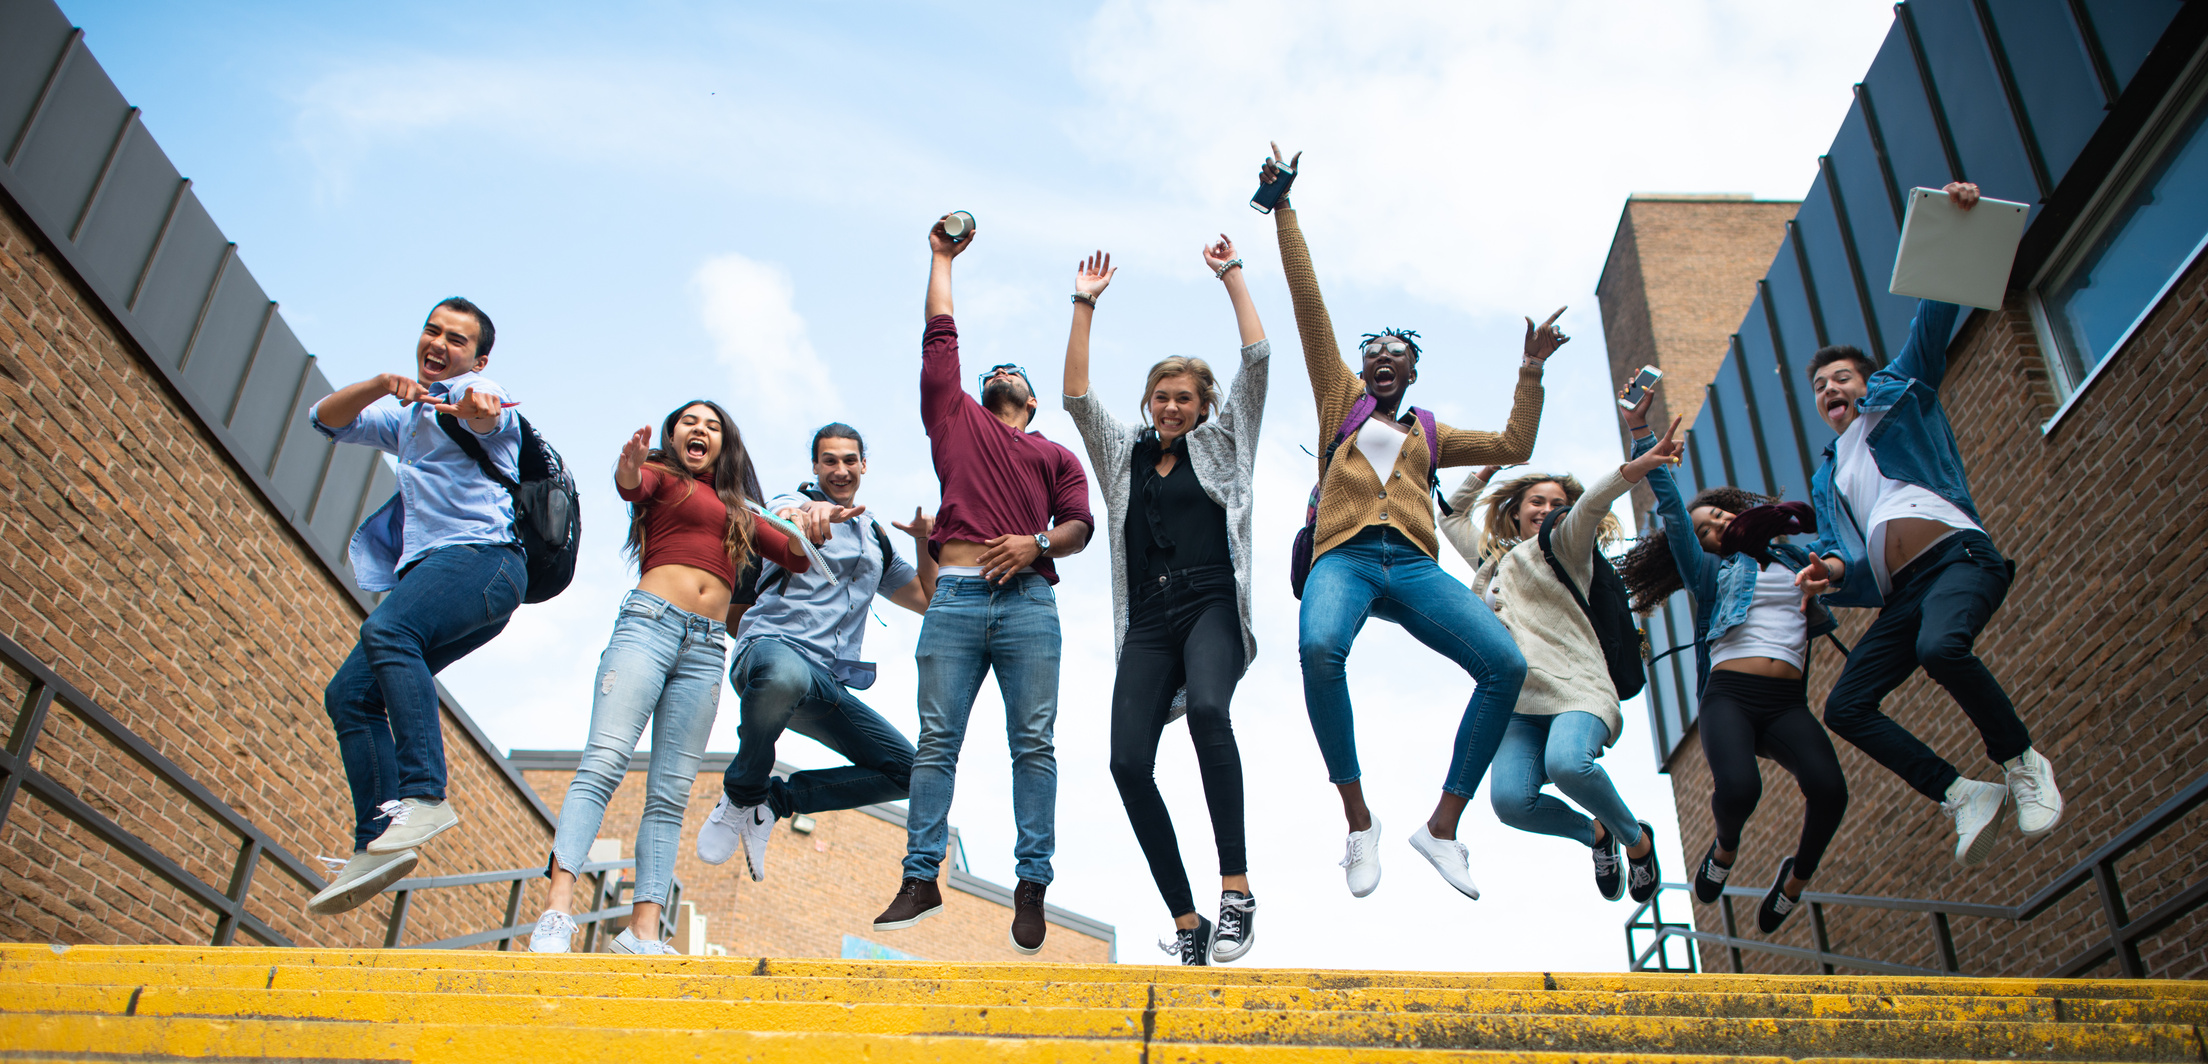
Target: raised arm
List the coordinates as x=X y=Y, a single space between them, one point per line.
x=1244 y=411
x=1333 y=387
x=1697 y=569
x=1514 y=444
x=940 y=389
x=1456 y=525
x=941 y=250
x=1090 y=277
x=1227 y=266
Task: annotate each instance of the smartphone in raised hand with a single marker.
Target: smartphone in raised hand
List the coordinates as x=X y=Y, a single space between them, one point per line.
x=1638 y=390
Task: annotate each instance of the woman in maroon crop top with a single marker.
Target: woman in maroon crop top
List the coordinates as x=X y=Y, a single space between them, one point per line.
x=692 y=529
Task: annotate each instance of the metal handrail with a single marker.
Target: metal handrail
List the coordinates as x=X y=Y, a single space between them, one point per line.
x=45 y=691
x=2099 y=868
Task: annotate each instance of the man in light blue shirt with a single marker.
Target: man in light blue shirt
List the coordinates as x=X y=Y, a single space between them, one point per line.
x=445 y=549
x=798 y=660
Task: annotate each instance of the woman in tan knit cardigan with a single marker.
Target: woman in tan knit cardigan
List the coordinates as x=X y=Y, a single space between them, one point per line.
x=1373 y=556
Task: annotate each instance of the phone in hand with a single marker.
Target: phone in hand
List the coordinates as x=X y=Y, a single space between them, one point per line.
x=1638 y=390
x=1268 y=196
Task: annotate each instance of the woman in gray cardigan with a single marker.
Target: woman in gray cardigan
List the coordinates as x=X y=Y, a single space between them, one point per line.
x=1177 y=498
x=1567 y=712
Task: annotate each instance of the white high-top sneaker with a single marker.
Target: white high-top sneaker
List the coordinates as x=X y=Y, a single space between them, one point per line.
x=1975 y=805
x=2032 y=786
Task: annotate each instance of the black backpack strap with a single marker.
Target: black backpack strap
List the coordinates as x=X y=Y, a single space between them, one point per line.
x=1548 y=551
x=467 y=442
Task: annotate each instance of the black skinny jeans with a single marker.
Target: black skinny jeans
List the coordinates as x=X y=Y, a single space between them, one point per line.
x=1744 y=717
x=1184 y=630
x=1938 y=605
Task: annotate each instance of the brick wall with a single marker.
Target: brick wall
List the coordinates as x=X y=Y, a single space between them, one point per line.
x=820 y=887
x=1681 y=273
x=137 y=563
x=2102 y=643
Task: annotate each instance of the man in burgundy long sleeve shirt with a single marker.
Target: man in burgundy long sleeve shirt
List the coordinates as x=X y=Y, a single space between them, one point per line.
x=1012 y=501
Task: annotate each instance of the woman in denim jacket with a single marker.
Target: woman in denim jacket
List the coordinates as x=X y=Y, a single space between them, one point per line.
x=1751 y=645
x=693 y=528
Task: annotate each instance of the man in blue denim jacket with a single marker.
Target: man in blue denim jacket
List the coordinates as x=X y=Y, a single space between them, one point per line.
x=1898 y=531
x=445 y=549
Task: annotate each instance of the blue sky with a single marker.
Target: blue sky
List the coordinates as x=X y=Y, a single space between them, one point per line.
x=665 y=200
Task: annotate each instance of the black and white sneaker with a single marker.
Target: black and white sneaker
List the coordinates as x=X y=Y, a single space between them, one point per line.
x=1641 y=877
x=1191 y=944
x=1776 y=905
x=1237 y=928
x=1709 y=879
x=1609 y=867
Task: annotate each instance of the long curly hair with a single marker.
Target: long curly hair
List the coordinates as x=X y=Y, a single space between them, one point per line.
x=1649 y=573
x=1497 y=532
x=734 y=480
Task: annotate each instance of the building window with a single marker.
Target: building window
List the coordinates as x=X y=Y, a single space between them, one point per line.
x=2150 y=225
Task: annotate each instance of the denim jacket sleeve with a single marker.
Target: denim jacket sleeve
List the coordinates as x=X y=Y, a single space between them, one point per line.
x=1697 y=570
x=1924 y=357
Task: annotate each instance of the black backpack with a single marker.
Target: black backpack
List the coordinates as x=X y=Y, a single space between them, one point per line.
x=548 y=512
x=1624 y=645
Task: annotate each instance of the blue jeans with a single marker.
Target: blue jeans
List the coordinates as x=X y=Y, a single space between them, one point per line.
x=383 y=700
x=973 y=626
x=663 y=665
x=782 y=689
x=1561 y=749
x=1381 y=574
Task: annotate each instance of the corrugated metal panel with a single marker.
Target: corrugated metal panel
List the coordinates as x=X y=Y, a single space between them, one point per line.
x=94 y=182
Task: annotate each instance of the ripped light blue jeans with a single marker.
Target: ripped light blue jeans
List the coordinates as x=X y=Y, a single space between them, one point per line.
x=663 y=666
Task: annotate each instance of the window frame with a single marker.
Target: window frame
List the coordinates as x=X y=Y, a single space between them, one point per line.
x=2154 y=142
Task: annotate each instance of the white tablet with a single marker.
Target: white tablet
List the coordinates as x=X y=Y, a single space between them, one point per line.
x=1954 y=255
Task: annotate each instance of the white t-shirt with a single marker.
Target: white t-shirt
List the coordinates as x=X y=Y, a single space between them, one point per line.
x=1380 y=448
x=1876 y=499
x=1775 y=626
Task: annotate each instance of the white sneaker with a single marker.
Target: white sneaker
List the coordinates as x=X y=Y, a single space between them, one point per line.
x=729 y=825
x=2032 y=785
x=414 y=821
x=1363 y=860
x=1975 y=805
x=627 y=942
x=554 y=933
x=1450 y=858
x=359 y=879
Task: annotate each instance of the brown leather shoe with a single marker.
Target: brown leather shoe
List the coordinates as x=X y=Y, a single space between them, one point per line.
x=917 y=899
x=1027 y=917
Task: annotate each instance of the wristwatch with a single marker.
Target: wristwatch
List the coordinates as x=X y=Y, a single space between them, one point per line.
x=1042 y=542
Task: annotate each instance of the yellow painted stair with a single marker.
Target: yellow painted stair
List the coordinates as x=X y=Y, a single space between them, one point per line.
x=110 y=1003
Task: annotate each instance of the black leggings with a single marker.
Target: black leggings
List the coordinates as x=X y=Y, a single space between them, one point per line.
x=1744 y=717
x=1186 y=631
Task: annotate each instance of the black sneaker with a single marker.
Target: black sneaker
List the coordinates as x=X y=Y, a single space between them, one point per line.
x=1641 y=877
x=1609 y=868
x=1709 y=879
x=1237 y=929
x=1191 y=944
x=1776 y=905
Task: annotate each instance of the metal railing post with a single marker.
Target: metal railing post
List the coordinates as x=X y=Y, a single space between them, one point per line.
x=2112 y=907
x=1732 y=931
x=397 y=926
x=22 y=740
x=1824 y=940
x=241 y=880
x=1946 y=937
x=513 y=913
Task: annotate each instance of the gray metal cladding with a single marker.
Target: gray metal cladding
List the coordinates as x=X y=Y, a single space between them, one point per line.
x=2005 y=93
x=82 y=167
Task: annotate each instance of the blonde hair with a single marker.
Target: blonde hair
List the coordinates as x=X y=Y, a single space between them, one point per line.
x=1207 y=386
x=1497 y=532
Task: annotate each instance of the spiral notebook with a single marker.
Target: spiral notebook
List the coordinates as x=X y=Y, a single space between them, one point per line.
x=1954 y=255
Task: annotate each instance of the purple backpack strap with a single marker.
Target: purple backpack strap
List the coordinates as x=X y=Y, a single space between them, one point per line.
x=1358 y=412
x=1433 y=439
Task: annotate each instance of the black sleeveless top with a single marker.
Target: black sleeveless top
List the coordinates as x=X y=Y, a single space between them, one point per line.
x=1171 y=522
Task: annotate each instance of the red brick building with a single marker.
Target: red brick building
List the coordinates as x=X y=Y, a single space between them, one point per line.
x=2077 y=420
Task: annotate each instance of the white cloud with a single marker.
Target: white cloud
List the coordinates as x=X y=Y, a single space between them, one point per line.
x=750 y=311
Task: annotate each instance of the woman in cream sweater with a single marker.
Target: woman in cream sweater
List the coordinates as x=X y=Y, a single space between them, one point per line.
x=1567 y=710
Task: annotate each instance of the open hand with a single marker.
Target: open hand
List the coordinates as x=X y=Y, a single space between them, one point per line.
x=1543 y=341
x=818 y=520
x=1006 y=556
x=1486 y=474
x=1270 y=172
x=1963 y=193
x=406 y=389
x=1219 y=254
x=1815 y=579
x=629 y=471
x=1636 y=418
x=920 y=528
x=1666 y=452
x=1091 y=276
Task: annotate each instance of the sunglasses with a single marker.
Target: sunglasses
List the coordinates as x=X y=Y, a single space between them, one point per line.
x=994 y=370
x=1392 y=347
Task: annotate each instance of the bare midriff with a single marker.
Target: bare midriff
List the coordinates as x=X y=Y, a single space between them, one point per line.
x=960 y=552
x=1772 y=667
x=687 y=587
x=1907 y=537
